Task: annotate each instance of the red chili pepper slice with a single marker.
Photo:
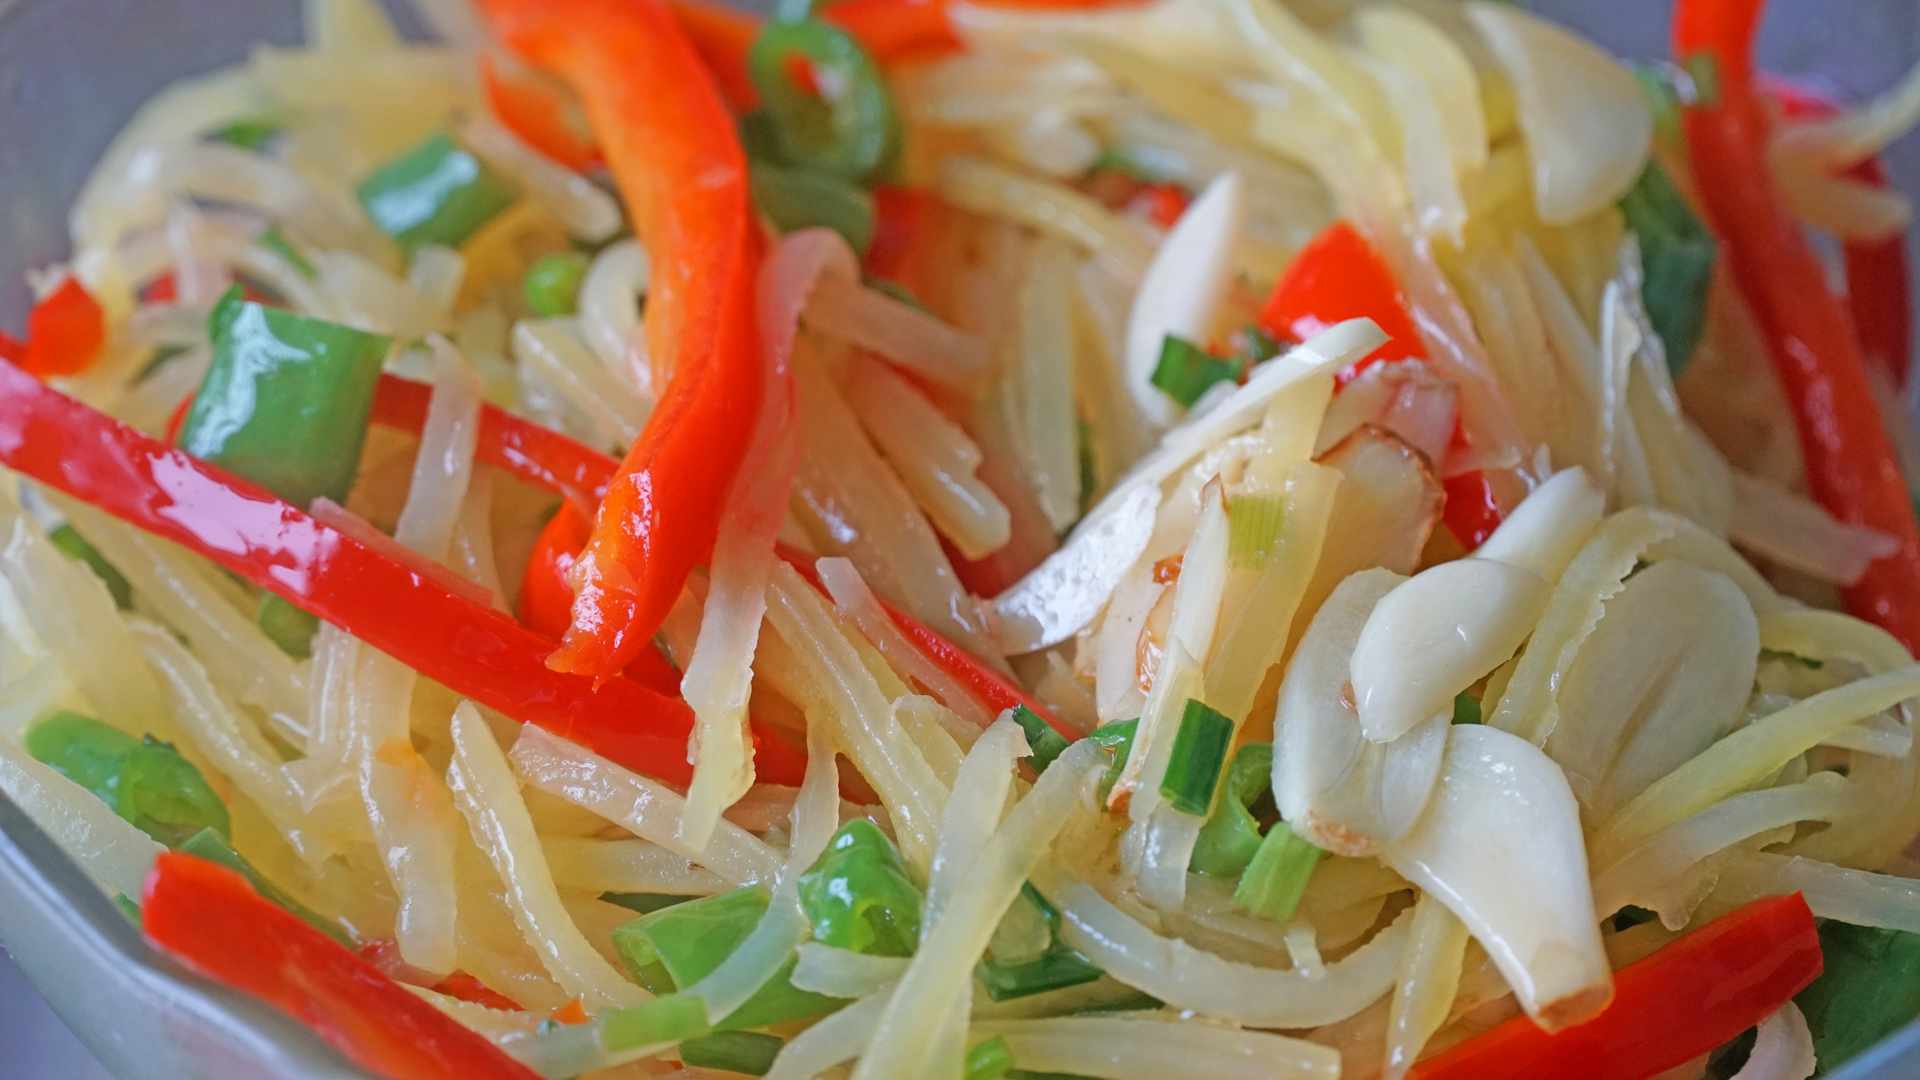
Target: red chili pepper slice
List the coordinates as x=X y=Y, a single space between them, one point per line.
x=404 y=613
x=722 y=35
x=1163 y=203
x=1851 y=469
x=467 y=988
x=1879 y=277
x=898 y=212
x=546 y=601
x=65 y=331
x=676 y=158
x=1339 y=276
x=539 y=112
x=1681 y=1002
x=540 y=456
x=210 y=919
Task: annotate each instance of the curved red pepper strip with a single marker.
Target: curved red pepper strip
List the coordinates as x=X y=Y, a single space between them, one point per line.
x=671 y=145
x=209 y=918
x=1879 y=277
x=475 y=651
x=540 y=456
x=1851 y=469
x=1691 y=996
x=1339 y=276
x=538 y=112
x=723 y=35
x=999 y=692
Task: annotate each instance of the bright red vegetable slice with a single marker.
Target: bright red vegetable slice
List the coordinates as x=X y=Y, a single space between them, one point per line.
x=722 y=35
x=539 y=112
x=540 y=456
x=65 y=331
x=472 y=649
x=671 y=145
x=898 y=212
x=210 y=919
x=546 y=601
x=1851 y=469
x=1669 y=1008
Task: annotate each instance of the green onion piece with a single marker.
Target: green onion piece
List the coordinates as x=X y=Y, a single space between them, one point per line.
x=1257 y=345
x=74 y=546
x=1253 y=524
x=1231 y=836
x=1466 y=710
x=1277 y=877
x=678 y=946
x=667 y=1019
x=286 y=400
x=145 y=781
x=1677 y=254
x=552 y=284
x=127 y=907
x=1132 y=1001
x=1656 y=85
x=1869 y=988
x=436 y=193
x=1193 y=765
x=748 y=1052
x=276 y=241
x=846 y=124
x=1186 y=371
x=1058 y=967
x=1117 y=739
x=249 y=134
x=210 y=846
x=645 y=903
x=858 y=895
x=1047 y=744
x=988 y=1060
x=162 y=356
x=291 y=628
x=795 y=199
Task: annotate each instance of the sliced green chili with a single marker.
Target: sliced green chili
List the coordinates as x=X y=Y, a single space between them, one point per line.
x=145 y=781
x=1117 y=739
x=988 y=1060
x=677 y=946
x=1047 y=744
x=251 y=133
x=666 y=1019
x=858 y=895
x=436 y=193
x=844 y=124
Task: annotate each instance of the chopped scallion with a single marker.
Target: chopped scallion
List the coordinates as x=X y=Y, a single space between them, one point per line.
x=1186 y=370
x=127 y=907
x=161 y=357
x=1056 y=968
x=1231 y=836
x=1047 y=744
x=1466 y=709
x=436 y=193
x=1253 y=524
x=827 y=106
x=1277 y=877
x=748 y=1052
x=1677 y=255
x=988 y=1060
x=209 y=845
x=1193 y=765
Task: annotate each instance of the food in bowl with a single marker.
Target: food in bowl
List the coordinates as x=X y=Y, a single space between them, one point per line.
x=1139 y=539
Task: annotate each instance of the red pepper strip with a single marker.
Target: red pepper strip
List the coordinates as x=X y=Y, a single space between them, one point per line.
x=723 y=35
x=546 y=600
x=1691 y=996
x=539 y=112
x=210 y=919
x=1340 y=276
x=999 y=692
x=467 y=988
x=898 y=212
x=676 y=158
x=1879 y=287
x=65 y=331
x=1163 y=203
x=540 y=456
x=475 y=651
x=1851 y=469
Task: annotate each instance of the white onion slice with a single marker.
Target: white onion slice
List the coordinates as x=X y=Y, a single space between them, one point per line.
x=1182 y=288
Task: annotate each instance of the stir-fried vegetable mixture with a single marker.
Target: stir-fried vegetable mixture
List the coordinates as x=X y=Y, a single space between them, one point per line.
x=1118 y=539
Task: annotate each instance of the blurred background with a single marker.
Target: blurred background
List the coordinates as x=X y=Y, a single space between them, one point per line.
x=73 y=71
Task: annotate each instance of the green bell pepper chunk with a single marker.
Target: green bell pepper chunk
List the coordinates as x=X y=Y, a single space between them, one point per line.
x=675 y=947
x=286 y=400
x=145 y=781
x=845 y=126
x=1677 y=253
x=795 y=199
x=436 y=193
x=1869 y=987
x=858 y=895
x=74 y=546
x=1231 y=836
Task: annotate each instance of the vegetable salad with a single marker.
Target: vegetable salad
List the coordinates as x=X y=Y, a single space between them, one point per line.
x=1118 y=539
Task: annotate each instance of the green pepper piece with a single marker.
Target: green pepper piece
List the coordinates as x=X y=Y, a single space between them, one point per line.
x=1277 y=877
x=1058 y=967
x=1466 y=708
x=145 y=781
x=1231 y=836
x=436 y=193
x=1677 y=254
x=74 y=546
x=290 y=627
x=1869 y=987
x=286 y=400
x=662 y=1020
x=846 y=125
x=1185 y=370
x=795 y=199
x=1117 y=739
x=1047 y=744
x=127 y=907
x=552 y=284
x=675 y=947
x=858 y=895
x=212 y=847
x=645 y=903
x=251 y=133
x=749 y=1053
